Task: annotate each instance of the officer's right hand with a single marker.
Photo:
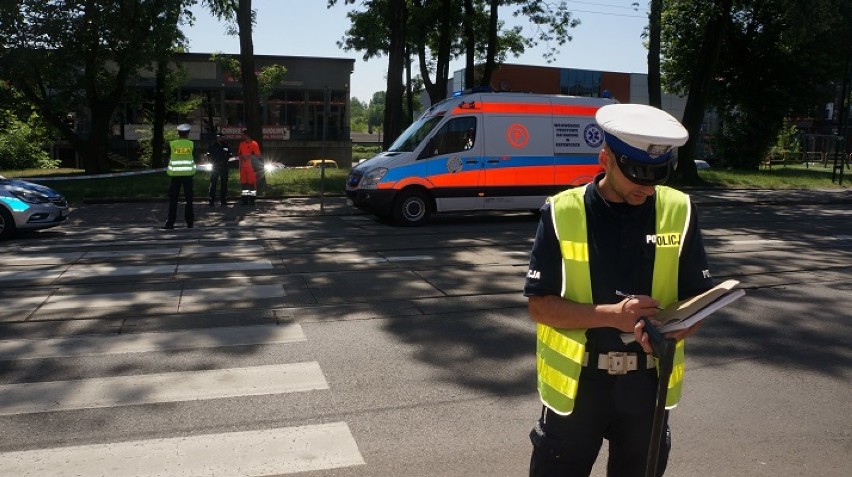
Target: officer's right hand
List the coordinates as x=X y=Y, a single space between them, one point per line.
x=637 y=307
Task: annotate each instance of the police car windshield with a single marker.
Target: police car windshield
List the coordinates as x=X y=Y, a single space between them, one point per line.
x=414 y=135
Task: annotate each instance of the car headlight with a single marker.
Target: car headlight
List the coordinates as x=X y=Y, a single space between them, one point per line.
x=372 y=178
x=29 y=196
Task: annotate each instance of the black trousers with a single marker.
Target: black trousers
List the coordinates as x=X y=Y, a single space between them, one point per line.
x=174 y=192
x=218 y=176
x=617 y=408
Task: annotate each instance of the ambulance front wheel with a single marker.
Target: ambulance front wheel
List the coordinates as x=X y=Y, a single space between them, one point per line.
x=411 y=208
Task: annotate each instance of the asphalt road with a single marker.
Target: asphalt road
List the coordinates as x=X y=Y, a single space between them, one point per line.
x=299 y=337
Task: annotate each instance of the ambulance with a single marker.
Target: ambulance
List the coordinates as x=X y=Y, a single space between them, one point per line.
x=482 y=151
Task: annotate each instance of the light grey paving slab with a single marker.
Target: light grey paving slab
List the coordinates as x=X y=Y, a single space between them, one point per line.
x=29 y=398
x=232 y=293
x=478 y=280
x=22 y=303
x=354 y=286
x=242 y=265
x=28 y=275
x=41 y=259
x=93 y=271
x=132 y=253
x=202 y=249
x=111 y=300
x=97 y=345
x=249 y=454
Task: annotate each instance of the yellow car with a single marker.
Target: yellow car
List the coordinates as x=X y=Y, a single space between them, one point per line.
x=316 y=163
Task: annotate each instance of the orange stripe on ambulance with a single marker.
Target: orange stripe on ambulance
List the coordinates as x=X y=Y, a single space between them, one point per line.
x=482 y=151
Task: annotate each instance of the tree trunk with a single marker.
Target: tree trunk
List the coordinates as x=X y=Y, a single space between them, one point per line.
x=251 y=96
x=469 y=45
x=491 y=51
x=392 y=126
x=157 y=138
x=96 y=153
x=409 y=94
x=655 y=98
x=708 y=59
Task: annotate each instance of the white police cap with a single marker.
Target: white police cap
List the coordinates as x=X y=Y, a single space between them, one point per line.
x=184 y=127
x=642 y=138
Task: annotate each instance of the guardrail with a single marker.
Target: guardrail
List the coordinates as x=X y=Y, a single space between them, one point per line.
x=785 y=158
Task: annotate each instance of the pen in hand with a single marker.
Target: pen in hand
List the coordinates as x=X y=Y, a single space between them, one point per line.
x=631 y=296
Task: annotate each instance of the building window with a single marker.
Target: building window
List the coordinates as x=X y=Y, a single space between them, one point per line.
x=580 y=83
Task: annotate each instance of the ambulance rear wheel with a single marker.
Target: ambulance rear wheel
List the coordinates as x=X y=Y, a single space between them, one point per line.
x=411 y=208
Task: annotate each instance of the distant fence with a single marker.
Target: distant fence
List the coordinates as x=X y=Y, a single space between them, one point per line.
x=785 y=158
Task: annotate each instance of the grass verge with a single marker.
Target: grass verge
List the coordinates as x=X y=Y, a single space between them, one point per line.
x=150 y=186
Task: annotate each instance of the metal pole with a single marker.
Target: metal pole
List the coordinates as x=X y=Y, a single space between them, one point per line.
x=664 y=351
x=325 y=110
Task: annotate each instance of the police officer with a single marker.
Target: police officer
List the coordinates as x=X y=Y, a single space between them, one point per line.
x=219 y=154
x=591 y=242
x=181 y=169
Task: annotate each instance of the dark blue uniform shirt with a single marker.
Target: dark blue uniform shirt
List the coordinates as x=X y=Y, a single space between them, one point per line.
x=620 y=258
x=219 y=154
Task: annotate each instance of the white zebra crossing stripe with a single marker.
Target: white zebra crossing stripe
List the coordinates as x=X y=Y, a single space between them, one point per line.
x=28 y=398
x=147 y=342
x=164 y=297
x=93 y=271
x=246 y=454
x=90 y=271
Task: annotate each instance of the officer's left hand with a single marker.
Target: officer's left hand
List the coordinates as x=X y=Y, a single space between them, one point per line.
x=644 y=341
x=642 y=337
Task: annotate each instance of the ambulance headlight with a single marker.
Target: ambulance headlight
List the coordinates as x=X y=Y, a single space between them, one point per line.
x=372 y=178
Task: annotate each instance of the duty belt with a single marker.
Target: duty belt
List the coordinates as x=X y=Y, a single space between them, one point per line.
x=619 y=362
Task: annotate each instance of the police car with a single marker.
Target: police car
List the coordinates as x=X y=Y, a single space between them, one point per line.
x=25 y=206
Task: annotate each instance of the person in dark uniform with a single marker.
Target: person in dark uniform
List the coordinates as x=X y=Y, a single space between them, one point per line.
x=624 y=233
x=219 y=155
x=181 y=169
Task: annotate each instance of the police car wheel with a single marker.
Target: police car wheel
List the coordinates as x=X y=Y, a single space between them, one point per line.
x=7 y=224
x=411 y=208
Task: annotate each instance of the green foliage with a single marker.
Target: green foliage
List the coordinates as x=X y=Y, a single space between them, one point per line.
x=774 y=64
x=360 y=153
x=67 y=56
x=24 y=144
x=270 y=78
x=787 y=140
x=229 y=64
x=431 y=24
x=357 y=115
x=376 y=111
x=146 y=144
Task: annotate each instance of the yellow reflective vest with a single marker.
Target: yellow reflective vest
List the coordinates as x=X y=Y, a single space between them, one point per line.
x=559 y=351
x=181 y=160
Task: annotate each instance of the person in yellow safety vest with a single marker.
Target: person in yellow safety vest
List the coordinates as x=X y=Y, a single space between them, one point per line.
x=624 y=233
x=181 y=169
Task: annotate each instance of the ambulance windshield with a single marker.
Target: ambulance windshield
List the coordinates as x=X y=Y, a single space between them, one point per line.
x=414 y=135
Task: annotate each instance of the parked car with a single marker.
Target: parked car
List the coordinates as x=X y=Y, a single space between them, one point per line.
x=27 y=206
x=328 y=163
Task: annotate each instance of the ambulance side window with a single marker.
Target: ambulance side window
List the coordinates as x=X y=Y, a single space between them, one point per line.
x=459 y=134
